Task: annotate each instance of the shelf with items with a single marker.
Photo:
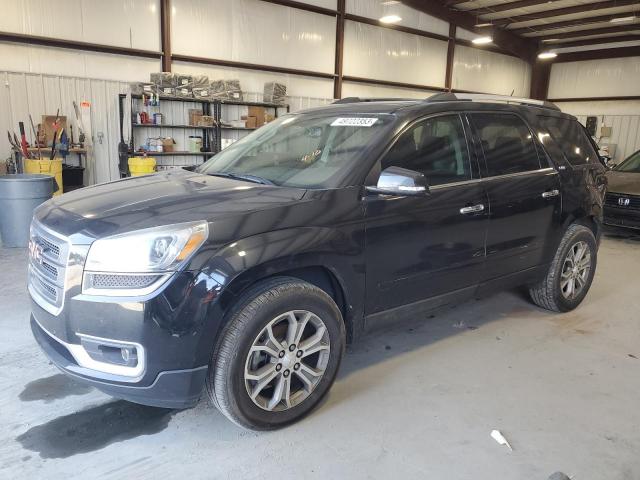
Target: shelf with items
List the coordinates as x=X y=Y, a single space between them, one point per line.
x=178 y=117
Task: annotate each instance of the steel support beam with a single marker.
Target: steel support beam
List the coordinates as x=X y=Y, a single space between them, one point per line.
x=339 y=56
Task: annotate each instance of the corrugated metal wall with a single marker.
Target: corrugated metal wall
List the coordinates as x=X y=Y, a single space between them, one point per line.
x=26 y=93
x=625 y=134
x=22 y=94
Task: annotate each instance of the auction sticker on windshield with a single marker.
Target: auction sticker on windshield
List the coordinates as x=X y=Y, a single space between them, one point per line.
x=354 y=122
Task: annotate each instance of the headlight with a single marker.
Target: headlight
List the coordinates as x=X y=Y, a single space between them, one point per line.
x=137 y=263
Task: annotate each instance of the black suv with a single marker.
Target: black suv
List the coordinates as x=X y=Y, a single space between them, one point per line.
x=250 y=274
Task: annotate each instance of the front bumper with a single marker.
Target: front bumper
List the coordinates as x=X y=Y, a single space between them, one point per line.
x=170 y=389
x=175 y=329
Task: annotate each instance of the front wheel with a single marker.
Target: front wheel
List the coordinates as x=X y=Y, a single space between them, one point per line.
x=278 y=355
x=571 y=272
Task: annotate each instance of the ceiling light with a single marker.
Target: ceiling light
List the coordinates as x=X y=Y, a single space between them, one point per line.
x=545 y=55
x=546 y=40
x=482 y=40
x=622 y=19
x=480 y=25
x=390 y=19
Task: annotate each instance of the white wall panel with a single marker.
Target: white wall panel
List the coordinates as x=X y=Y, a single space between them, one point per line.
x=627 y=107
x=377 y=9
x=124 y=23
x=465 y=34
x=489 y=72
x=332 y=4
x=595 y=78
x=384 y=54
x=62 y=61
x=353 y=89
x=255 y=32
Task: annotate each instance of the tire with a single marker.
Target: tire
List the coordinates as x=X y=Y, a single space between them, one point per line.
x=241 y=354
x=552 y=293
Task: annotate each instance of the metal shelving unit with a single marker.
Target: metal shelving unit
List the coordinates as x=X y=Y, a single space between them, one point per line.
x=211 y=136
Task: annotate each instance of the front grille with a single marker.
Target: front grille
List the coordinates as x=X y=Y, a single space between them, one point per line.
x=48 y=254
x=619 y=200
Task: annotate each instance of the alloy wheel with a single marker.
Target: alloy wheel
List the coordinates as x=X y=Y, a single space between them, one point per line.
x=287 y=360
x=575 y=270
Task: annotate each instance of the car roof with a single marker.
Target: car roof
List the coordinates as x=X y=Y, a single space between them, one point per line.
x=416 y=107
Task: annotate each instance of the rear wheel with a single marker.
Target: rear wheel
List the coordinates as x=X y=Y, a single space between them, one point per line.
x=571 y=272
x=278 y=355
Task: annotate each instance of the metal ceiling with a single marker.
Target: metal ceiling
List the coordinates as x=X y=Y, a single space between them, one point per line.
x=554 y=24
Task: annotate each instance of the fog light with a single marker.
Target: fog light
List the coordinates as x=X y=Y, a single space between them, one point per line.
x=125 y=354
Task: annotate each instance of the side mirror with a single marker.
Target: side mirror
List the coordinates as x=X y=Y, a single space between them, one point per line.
x=401 y=182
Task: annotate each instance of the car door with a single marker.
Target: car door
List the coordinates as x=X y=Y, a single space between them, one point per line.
x=422 y=247
x=524 y=194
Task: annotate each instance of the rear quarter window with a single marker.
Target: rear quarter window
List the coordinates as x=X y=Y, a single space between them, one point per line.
x=571 y=138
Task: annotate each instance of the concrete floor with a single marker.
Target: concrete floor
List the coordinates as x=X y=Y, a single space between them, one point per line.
x=417 y=402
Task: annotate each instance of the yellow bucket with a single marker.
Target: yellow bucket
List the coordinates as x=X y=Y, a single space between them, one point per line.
x=142 y=166
x=46 y=167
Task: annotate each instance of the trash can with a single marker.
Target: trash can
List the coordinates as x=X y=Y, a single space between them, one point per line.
x=19 y=196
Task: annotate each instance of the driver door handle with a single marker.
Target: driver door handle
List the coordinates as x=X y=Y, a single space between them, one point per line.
x=473 y=209
x=550 y=193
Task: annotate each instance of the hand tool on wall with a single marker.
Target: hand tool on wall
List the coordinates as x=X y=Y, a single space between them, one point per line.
x=13 y=144
x=123 y=148
x=35 y=137
x=24 y=145
x=63 y=144
x=55 y=131
x=81 y=127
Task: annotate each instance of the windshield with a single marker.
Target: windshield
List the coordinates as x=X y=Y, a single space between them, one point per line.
x=631 y=164
x=306 y=150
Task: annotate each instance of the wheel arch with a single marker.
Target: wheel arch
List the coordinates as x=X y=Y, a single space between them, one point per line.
x=321 y=276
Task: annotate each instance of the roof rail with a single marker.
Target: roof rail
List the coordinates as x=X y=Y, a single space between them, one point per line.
x=363 y=100
x=484 y=97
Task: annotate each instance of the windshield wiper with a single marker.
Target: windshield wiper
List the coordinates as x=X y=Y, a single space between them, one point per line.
x=242 y=176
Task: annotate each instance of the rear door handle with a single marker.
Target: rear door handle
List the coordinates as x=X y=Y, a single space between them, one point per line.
x=473 y=209
x=550 y=193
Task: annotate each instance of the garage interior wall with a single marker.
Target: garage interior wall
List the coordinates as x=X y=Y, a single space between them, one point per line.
x=39 y=79
x=613 y=77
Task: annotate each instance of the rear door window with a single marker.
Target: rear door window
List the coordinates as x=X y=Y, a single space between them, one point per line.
x=507 y=143
x=572 y=139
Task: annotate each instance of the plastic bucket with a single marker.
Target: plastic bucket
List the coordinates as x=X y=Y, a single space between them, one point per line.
x=142 y=166
x=46 y=167
x=19 y=196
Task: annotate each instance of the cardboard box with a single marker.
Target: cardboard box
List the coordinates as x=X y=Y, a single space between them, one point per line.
x=168 y=144
x=250 y=122
x=47 y=122
x=195 y=114
x=259 y=113
x=205 y=121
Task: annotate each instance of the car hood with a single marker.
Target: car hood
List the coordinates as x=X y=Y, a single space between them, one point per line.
x=623 y=182
x=155 y=200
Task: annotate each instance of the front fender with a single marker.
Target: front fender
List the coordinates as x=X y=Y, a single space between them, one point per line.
x=240 y=264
